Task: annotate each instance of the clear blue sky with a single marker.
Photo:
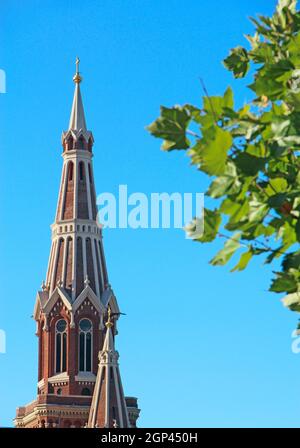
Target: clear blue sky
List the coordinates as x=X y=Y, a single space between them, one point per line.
x=199 y=346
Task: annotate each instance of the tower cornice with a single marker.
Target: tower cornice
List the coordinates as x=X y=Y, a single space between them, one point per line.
x=77 y=154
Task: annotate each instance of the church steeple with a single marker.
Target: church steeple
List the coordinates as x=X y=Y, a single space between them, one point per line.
x=77 y=118
x=77 y=248
x=73 y=301
x=108 y=408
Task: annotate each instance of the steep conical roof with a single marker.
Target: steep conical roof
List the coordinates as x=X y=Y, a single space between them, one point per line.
x=77 y=118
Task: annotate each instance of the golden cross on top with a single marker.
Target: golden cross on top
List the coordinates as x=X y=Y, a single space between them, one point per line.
x=109 y=322
x=77 y=64
x=77 y=78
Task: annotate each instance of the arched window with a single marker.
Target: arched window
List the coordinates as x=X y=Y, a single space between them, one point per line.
x=70 y=171
x=90 y=145
x=61 y=346
x=81 y=171
x=81 y=143
x=70 y=143
x=85 y=345
x=86 y=392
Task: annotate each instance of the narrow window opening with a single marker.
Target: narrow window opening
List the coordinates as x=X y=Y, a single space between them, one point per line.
x=81 y=171
x=85 y=345
x=61 y=346
x=70 y=177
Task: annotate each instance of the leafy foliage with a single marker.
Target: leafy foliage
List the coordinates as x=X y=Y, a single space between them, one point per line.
x=251 y=153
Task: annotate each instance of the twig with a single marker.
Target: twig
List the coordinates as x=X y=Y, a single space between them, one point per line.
x=266 y=248
x=193 y=134
x=209 y=100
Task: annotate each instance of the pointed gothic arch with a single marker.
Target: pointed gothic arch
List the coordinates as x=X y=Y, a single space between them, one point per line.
x=70 y=170
x=70 y=143
x=81 y=171
x=85 y=345
x=60 y=361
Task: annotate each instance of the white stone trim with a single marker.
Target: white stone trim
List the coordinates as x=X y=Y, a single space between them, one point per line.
x=88 y=293
x=60 y=192
x=118 y=398
x=55 y=259
x=58 y=228
x=59 y=378
x=57 y=293
x=64 y=264
x=96 y=274
x=75 y=208
x=64 y=191
x=41 y=383
x=76 y=154
x=101 y=273
x=49 y=263
x=84 y=257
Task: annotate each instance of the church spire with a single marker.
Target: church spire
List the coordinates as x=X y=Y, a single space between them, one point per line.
x=72 y=304
x=77 y=118
x=108 y=408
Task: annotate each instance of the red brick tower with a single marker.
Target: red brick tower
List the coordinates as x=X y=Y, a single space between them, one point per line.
x=71 y=308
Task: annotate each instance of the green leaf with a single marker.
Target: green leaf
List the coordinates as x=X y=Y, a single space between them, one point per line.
x=283 y=283
x=258 y=150
x=288 y=141
x=171 y=126
x=291 y=260
x=227 y=184
x=262 y=52
x=211 y=151
x=237 y=62
x=293 y=48
x=275 y=254
x=257 y=210
x=280 y=127
x=244 y=261
x=267 y=86
x=248 y=164
x=297 y=229
x=223 y=185
x=238 y=211
x=289 y=4
x=215 y=105
x=292 y=301
x=224 y=255
x=212 y=221
x=288 y=234
x=194 y=112
x=277 y=200
x=276 y=185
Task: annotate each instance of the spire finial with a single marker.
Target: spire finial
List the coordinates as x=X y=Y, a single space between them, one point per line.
x=77 y=78
x=109 y=322
x=86 y=281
